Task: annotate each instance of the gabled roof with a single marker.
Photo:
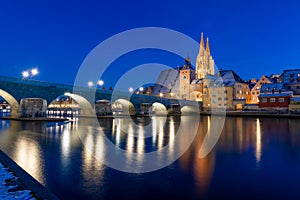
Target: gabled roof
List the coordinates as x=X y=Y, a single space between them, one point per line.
x=284 y=94
x=269 y=87
x=168 y=79
x=230 y=77
x=291 y=76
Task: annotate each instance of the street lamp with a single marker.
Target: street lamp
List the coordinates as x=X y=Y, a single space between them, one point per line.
x=25 y=74
x=141 y=89
x=34 y=71
x=90 y=83
x=100 y=82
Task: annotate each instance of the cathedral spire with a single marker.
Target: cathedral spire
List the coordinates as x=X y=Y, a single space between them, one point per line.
x=201 y=51
x=207 y=47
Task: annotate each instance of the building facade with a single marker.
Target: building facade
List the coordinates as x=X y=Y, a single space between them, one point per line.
x=291 y=80
x=275 y=100
x=227 y=90
x=255 y=90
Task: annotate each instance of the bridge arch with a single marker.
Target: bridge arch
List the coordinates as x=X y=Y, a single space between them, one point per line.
x=159 y=108
x=15 y=106
x=123 y=106
x=86 y=108
x=190 y=110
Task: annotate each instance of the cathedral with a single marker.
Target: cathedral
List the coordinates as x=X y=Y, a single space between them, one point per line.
x=191 y=87
x=204 y=63
x=185 y=82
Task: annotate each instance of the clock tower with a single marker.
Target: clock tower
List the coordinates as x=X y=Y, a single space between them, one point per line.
x=185 y=79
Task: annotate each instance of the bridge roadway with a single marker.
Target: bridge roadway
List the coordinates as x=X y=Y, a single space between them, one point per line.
x=15 y=89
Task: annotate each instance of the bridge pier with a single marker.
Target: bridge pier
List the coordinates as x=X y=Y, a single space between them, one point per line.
x=33 y=107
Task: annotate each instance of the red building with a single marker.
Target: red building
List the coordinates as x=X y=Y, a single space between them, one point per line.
x=275 y=100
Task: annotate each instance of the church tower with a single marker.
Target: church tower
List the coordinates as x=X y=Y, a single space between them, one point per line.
x=204 y=63
x=185 y=79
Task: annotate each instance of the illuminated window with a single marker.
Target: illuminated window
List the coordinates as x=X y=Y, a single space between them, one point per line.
x=257 y=88
x=281 y=100
x=272 y=100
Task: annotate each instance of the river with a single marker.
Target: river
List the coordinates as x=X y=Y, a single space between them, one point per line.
x=254 y=158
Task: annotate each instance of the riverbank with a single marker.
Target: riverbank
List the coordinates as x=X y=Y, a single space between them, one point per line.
x=16 y=183
x=268 y=114
x=40 y=119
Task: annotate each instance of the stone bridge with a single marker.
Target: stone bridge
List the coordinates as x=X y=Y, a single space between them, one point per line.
x=15 y=89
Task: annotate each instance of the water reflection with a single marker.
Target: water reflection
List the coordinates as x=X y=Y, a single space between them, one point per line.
x=28 y=155
x=53 y=152
x=258 y=150
x=20 y=139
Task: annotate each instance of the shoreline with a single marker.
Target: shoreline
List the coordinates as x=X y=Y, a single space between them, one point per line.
x=259 y=114
x=25 y=180
x=267 y=114
x=39 y=119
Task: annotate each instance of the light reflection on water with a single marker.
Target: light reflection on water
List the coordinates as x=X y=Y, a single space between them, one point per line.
x=53 y=154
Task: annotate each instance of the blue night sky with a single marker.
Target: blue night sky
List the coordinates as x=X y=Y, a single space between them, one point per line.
x=251 y=37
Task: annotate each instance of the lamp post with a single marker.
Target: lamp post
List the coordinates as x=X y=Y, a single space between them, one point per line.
x=30 y=73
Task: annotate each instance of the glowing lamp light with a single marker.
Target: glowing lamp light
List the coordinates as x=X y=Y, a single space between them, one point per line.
x=90 y=83
x=100 y=82
x=161 y=94
x=34 y=71
x=141 y=89
x=25 y=74
x=131 y=90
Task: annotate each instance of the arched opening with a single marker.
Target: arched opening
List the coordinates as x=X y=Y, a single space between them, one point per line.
x=196 y=96
x=63 y=105
x=123 y=107
x=185 y=110
x=159 y=109
x=70 y=104
x=15 y=108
